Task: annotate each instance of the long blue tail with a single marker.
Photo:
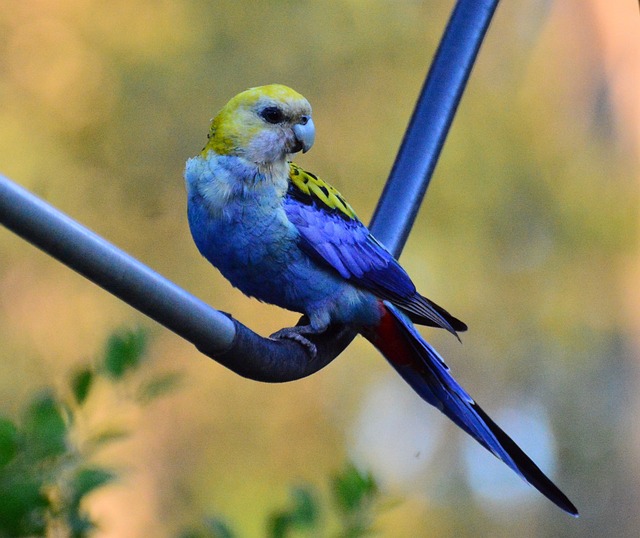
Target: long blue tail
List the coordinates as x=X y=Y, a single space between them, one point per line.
x=421 y=366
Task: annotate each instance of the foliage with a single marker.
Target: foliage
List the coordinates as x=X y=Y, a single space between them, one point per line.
x=353 y=501
x=45 y=470
x=354 y=492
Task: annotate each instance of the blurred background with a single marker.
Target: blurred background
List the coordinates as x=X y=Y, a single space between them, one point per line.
x=529 y=233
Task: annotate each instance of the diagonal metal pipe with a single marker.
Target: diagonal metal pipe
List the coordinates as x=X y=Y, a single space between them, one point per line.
x=214 y=333
x=432 y=117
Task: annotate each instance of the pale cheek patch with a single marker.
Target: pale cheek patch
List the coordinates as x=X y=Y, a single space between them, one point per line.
x=267 y=146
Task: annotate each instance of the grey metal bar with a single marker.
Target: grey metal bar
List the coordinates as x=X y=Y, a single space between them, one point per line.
x=111 y=268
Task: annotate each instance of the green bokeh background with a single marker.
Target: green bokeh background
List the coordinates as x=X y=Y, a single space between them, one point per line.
x=528 y=233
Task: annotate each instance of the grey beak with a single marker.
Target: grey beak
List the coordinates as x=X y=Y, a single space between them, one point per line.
x=305 y=133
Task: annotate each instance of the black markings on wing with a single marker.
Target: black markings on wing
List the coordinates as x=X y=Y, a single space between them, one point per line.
x=311 y=190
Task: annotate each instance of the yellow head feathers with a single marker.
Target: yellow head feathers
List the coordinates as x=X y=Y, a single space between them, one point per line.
x=262 y=124
x=275 y=92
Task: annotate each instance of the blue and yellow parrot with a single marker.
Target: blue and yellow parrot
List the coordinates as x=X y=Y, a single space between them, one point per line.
x=284 y=236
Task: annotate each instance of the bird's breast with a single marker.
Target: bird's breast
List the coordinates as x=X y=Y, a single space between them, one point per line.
x=251 y=242
x=247 y=235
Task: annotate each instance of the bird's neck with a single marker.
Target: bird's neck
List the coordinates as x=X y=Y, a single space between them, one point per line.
x=221 y=179
x=276 y=173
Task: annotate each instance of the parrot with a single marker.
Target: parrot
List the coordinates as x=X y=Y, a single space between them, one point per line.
x=284 y=236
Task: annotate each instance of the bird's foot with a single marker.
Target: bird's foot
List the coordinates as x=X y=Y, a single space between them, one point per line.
x=297 y=335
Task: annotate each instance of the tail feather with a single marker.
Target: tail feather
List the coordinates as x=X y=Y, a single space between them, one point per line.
x=430 y=314
x=423 y=368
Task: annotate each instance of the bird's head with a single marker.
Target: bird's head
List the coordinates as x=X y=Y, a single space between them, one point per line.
x=263 y=125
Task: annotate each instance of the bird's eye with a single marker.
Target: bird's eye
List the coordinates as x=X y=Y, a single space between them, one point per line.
x=272 y=114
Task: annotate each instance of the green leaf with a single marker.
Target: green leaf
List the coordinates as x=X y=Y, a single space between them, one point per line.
x=80 y=525
x=22 y=508
x=305 y=508
x=125 y=351
x=44 y=427
x=352 y=488
x=81 y=384
x=8 y=441
x=158 y=386
x=279 y=525
x=303 y=515
x=86 y=480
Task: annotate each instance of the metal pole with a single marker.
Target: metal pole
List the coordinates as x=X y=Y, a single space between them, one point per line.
x=429 y=125
x=120 y=274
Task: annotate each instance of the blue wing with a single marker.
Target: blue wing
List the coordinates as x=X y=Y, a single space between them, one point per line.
x=331 y=233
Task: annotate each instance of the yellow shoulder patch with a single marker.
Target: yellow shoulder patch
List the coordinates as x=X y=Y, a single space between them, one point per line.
x=308 y=187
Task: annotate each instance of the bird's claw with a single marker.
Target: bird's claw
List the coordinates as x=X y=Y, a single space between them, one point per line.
x=296 y=334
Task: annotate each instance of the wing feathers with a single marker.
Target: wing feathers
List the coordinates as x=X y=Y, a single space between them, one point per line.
x=331 y=233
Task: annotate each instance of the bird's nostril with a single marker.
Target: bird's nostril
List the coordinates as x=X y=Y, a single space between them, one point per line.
x=304 y=120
